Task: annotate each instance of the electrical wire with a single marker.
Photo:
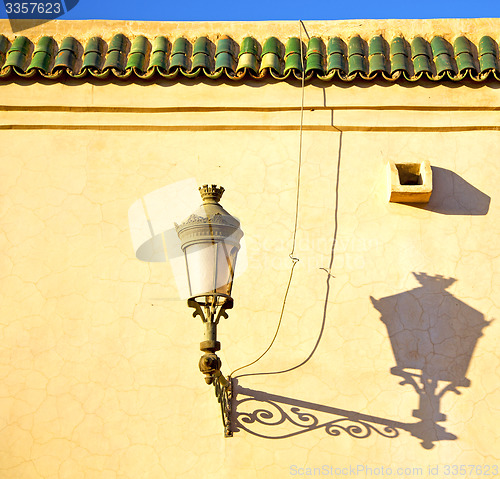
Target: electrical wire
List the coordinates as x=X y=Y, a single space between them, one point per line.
x=328 y=278
x=294 y=259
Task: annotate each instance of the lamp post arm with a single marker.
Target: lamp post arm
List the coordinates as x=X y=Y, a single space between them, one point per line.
x=210 y=311
x=224 y=394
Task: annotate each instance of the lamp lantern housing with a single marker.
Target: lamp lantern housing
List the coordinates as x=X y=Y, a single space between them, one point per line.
x=210 y=240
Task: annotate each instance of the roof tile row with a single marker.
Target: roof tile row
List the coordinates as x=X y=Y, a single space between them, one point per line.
x=436 y=61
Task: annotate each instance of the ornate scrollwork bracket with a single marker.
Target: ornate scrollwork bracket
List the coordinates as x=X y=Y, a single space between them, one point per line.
x=224 y=394
x=212 y=308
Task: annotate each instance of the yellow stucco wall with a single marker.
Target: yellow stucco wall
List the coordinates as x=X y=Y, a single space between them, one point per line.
x=98 y=357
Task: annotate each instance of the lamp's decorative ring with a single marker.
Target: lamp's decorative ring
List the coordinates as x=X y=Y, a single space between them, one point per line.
x=216 y=218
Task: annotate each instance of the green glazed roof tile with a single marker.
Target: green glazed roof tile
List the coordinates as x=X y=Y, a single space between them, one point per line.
x=271 y=62
x=419 y=47
x=356 y=56
x=159 y=54
x=95 y=44
x=201 y=54
x=293 y=62
x=46 y=45
x=4 y=44
x=115 y=57
x=293 y=55
x=488 y=62
x=399 y=55
x=17 y=56
x=92 y=57
x=336 y=45
x=442 y=57
x=118 y=42
x=137 y=56
x=272 y=53
x=378 y=63
x=487 y=45
x=315 y=56
x=225 y=45
x=40 y=61
x=399 y=62
x=314 y=63
x=158 y=59
x=224 y=55
x=488 y=54
x=180 y=47
x=248 y=56
x=42 y=56
x=115 y=60
x=398 y=46
x=69 y=43
x=315 y=45
x=356 y=46
x=248 y=61
x=92 y=60
x=272 y=45
x=160 y=44
x=137 y=61
x=201 y=45
x=173 y=58
x=64 y=59
x=463 y=54
x=439 y=46
x=179 y=58
x=16 y=59
x=293 y=46
x=422 y=64
x=377 y=58
x=224 y=60
x=357 y=64
x=249 y=45
x=201 y=61
x=443 y=63
x=20 y=44
x=420 y=55
x=377 y=45
x=462 y=45
x=140 y=45
x=465 y=62
x=336 y=60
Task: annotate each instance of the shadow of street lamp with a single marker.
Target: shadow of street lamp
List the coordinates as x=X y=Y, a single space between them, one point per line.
x=433 y=336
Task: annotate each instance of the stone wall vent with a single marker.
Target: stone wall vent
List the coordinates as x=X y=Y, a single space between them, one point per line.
x=409 y=182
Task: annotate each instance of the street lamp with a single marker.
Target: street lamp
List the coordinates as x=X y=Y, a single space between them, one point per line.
x=210 y=240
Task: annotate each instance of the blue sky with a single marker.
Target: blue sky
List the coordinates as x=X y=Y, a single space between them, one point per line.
x=238 y=10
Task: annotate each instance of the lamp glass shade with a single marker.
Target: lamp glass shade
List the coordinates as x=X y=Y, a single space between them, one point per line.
x=210 y=268
x=210 y=240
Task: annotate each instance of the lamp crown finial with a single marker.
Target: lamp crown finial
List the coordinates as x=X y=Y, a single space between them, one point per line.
x=212 y=193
